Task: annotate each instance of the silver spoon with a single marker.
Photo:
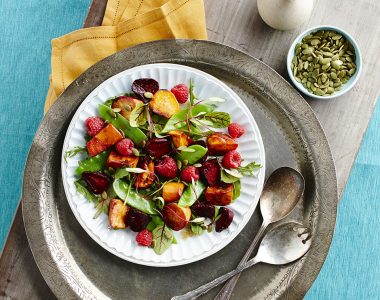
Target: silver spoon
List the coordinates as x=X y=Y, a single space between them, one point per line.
x=281 y=193
x=283 y=244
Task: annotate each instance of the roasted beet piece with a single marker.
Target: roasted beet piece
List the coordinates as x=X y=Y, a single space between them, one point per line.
x=137 y=220
x=158 y=147
x=143 y=85
x=225 y=219
x=96 y=181
x=203 y=209
x=211 y=172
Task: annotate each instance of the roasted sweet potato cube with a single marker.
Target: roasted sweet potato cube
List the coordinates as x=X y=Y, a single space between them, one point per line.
x=220 y=195
x=116 y=160
x=219 y=143
x=144 y=180
x=172 y=191
x=180 y=138
x=116 y=214
x=126 y=104
x=164 y=103
x=107 y=137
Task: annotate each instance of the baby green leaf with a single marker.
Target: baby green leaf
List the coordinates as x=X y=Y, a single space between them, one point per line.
x=249 y=169
x=196 y=229
x=130 y=197
x=156 y=221
x=191 y=92
x=139 y=115
x=185 y=149
x=120 y=173
x=191 y=194
x=217 y=119
x=162 y=239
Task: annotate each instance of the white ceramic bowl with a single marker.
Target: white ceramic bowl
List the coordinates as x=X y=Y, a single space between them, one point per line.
x=122 y=242
x=345 y=87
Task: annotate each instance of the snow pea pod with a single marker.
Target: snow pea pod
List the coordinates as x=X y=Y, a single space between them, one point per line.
x=191 y=194
x=93 y=164
x=120 y=187
x=121 y=123
x=193 y=156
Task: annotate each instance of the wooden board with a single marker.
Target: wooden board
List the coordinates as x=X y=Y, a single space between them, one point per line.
x=237 y=24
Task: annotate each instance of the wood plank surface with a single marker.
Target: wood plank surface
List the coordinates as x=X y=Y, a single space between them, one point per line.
x=237 y=24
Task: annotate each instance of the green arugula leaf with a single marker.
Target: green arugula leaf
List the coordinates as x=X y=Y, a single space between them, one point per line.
x=162 y=239
x=191 y=194
x=249 y=169
x=139 y=115
x=74 y=151
x=217 y=119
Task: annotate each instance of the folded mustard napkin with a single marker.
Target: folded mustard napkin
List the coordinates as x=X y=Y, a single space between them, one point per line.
x=125 y=23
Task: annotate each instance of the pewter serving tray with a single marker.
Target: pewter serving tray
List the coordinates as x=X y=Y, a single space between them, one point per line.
x=74 y=266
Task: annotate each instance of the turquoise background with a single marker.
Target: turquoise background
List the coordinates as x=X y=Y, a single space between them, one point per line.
x=352 y=268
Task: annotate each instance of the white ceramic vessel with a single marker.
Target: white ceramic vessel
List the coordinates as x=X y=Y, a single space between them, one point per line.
x=122 y=242
x=285 y=14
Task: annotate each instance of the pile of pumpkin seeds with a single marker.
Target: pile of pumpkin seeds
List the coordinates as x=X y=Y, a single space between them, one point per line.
x=323 y=62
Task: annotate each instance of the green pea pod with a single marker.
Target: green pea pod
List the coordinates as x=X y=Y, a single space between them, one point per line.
x=120 y=187
x=193 y=156
x=191 y=194
x=121 y=123
x=237 y=187
x=93 y=164
x=178 y=120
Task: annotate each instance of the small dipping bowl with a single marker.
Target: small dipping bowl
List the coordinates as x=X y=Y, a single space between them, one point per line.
x=345 y=87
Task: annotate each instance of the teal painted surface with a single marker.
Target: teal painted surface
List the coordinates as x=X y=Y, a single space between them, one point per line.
x=26 y=30
x=352 y=269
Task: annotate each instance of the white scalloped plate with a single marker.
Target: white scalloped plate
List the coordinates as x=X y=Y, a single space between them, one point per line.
x=122 y=242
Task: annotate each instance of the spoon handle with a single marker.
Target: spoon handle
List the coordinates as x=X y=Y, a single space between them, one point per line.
x=226 y=291
x=208 y=286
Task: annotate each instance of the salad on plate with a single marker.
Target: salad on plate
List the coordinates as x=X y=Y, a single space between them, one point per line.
x=159 y=160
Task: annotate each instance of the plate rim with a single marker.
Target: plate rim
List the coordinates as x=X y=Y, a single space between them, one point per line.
x=55 y=271
x=246 y=217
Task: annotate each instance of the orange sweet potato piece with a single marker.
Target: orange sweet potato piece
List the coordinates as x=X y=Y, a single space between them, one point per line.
x=180 y=138
x=164 y=103
x=126 y=104
x=116 y=214
x=172 y=191
x=144 y=180
x=116 y=160
x=219 y=195
x=107 y=137
x=219 y=143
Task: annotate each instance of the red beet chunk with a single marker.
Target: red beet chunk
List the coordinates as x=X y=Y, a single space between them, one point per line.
x=203 y=209
x=96 y=181
x=158 y=147
x=143 y=85
x=211 y=172
x=137 y=220
x=225 y=219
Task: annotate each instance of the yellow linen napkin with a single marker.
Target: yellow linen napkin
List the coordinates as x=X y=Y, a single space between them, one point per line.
x=125 y=23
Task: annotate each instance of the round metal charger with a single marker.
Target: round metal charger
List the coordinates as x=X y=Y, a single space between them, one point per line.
x=74 y=266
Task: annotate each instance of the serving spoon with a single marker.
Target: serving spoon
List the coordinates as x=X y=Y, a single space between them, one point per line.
x=283 y=244
x=281 y=193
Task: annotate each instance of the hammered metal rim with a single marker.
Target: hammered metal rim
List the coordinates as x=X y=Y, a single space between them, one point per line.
x=41 y=220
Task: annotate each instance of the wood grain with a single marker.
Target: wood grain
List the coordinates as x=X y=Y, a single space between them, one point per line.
x=237 y=24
